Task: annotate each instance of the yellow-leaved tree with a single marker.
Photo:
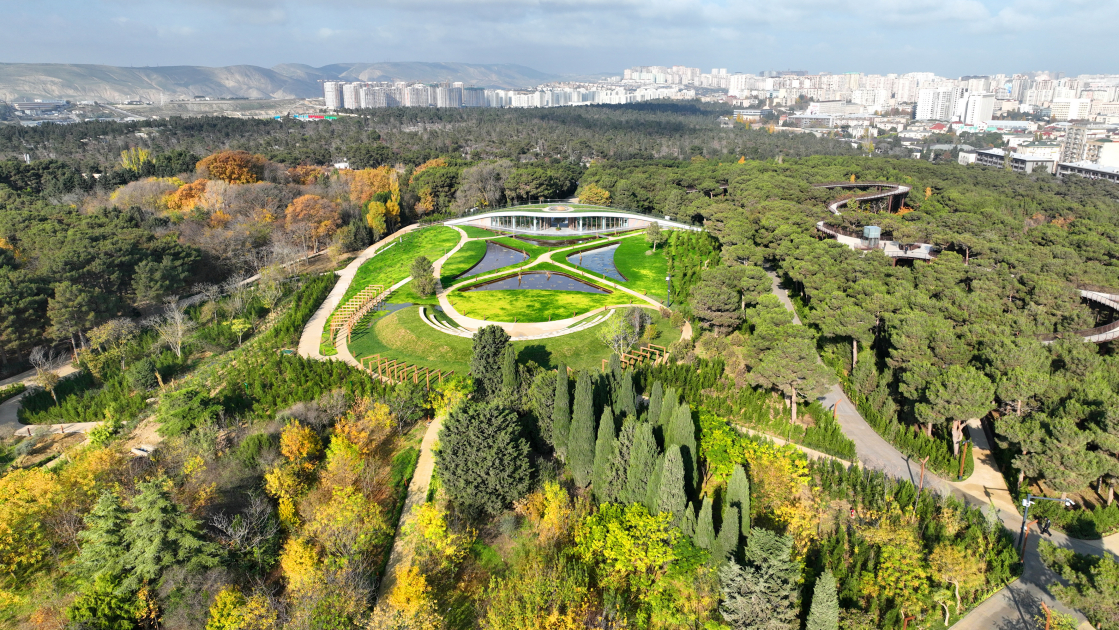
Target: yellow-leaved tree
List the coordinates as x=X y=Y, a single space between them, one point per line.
x=594 y=195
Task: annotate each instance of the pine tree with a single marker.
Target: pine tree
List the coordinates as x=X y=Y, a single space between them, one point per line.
x=726 y=545
x=824 y=614
x=673 y=494
x=603 y=456
x=509 y=384
x=580 y=438
x=642 y=461
x=487 y=351
x=763 y=591
x=653 y=488
x=561 y=413
x=627 y=402
x=482 y=459
x=161 y=535
x=103 y=538
x=705 y=527
x=618 y=467
x=738 y=495
x=681 y=432
x=656 y=401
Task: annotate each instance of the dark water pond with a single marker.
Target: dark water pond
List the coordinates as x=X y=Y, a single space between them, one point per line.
x=496 y=257
x=539 y=280
x=599 y=260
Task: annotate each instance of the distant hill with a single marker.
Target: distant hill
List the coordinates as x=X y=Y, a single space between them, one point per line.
x=115 y=84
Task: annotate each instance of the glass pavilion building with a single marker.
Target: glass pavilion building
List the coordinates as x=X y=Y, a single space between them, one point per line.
x=565 y=220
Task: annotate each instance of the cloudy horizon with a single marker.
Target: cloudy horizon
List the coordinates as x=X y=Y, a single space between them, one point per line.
x=948 y=37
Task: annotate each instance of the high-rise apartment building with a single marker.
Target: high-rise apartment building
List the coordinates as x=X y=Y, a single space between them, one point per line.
x=332 y=90
x=1070 y=108
x=979 y=108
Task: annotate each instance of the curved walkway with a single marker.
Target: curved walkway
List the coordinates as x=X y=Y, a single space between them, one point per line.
x=1013 y=606
x=9 y=409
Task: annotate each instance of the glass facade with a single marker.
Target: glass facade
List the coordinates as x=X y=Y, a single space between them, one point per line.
x=563 y=225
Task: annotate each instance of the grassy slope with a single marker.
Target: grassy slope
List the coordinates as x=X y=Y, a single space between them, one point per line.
x=465 y=258
x=391 y=267
x=404 y=337
x=476 y=232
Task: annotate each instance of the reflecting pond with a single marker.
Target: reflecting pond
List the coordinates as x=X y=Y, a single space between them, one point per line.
x=539 y=280
x=497 y=256
x=599 y=260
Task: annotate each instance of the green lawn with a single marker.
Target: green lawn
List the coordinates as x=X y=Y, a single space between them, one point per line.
x=533 y=251
x=476 y=232
x=470 y=254
x=531 y=305
x=404 y=337
x=645 y=273
x=393 y=264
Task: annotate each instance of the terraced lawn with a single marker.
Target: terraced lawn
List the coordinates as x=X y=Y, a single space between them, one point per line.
x=531 y=305
x=392 y=265
x=465 y=258
x=476 y=232
x=402 y=336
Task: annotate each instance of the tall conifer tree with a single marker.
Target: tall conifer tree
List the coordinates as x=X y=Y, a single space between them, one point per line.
x=561 y=413
x=668 y=408
x=656 y=401
x=738 y=495
x=603 y=456
x=682 y=433
x=705 y=526
x=824 y=614
x=726 y=545
x=102 y=541
x=509 y=385
x=653 y=488
x=161 y=535
x=673 y=493
x=580 y=440
x=617 y=468
x=642 y=462
x=627 y=401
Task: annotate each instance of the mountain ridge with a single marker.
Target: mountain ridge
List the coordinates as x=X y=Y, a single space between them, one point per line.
x=289 y=80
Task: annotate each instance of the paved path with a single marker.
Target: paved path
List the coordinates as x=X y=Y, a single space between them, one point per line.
x=311 y=338
x=1012 y=607
x=9 y=410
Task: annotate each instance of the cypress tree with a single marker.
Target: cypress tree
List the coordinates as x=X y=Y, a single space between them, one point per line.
x=824 y=614
x=617 y=468
x=642 y=461
x=561 y=413
x=626 y=399
x=656 y=401
x=161 y=535
x=653 y=488
x=726 y=545
x=673 y=495
x=738 y=495
x=603 y=456
x=688 y=524
x=682 y=433
x=487 y=351
x=668 y=408
x=509 y=385
x=580 y=439
x=103 y=538
x=483 y=460
x=705 y=527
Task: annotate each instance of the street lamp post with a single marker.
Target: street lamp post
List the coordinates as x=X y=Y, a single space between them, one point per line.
x=668 y=281
x=1026 y=503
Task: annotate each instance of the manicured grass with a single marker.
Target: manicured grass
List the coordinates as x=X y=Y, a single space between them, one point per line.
x=393 y=264
x=476 y=232
x=407 y=295
x=402 y=336
x=531 y=305
x=532 y=250
x=645 y=273
x=469 y=255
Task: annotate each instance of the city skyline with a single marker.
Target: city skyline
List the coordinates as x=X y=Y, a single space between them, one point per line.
x=954 y=38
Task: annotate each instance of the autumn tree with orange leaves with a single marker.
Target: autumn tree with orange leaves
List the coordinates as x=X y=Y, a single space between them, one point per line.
x=312 y=218
x=233 y=167
x=187 y=196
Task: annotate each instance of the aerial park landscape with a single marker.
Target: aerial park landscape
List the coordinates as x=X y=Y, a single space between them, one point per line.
x=826 y=392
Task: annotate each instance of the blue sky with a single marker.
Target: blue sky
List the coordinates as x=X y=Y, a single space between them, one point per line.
x=949 y=37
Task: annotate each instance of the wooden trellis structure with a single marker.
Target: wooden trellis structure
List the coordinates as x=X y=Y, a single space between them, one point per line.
x=371 y=305
x=345 y=312
x=651 y=352
x=395 y=371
